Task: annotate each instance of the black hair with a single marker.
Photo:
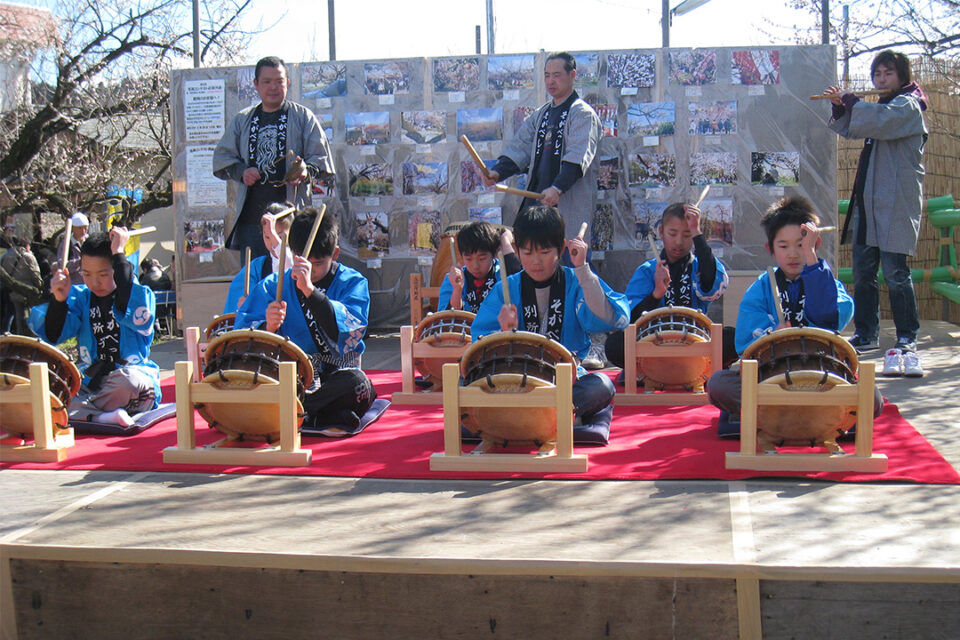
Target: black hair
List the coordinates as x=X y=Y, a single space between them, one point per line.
x=674 y=210
x=328 y=235
x=269 y=61
x=569 y=62
x=97 y=245
x=785 y=211
x=280 y=207
x=896 y=61
x=478 y=236
x=539 y=227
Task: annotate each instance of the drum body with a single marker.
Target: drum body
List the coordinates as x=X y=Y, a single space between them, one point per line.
x=803 y=359
x=245 y=359
x=674 y=327
x=16 y=354
x=449 y=328
x=512 y=362
x=220 y=325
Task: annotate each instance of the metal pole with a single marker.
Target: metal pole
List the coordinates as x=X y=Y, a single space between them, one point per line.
x=490 y=34
x=478 y=40
x=825 y=21
x=846 y=46
x=332 y=29
x=196 y=34
x=665 y=23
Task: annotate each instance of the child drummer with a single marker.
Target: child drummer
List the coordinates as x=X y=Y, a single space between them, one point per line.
x=478 y=243
x=562 y=303
x=112 y=317
x=685 y=274
x=260 y=267
x=809 y=296
x=323 y=311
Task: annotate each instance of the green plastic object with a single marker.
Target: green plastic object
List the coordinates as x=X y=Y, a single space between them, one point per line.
x=843 y=206
x=945 y=218
x=937 y=274
x=949 y=291
x=940 y=202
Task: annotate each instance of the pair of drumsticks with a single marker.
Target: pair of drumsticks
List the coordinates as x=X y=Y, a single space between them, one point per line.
x=283 y=250
x=68 y=232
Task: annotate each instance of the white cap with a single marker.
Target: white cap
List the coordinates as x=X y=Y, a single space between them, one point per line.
x=79 y=220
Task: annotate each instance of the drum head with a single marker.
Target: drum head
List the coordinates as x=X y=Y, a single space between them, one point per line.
x=18 y=416
x=254 y=341
x=251 y=421
x=514 y=344
x=843 y=350
x=41 y=351
x=220 y=324
x=673 y=324
x=449 y=328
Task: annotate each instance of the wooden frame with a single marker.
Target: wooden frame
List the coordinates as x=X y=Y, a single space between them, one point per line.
x=560 y=395
x=755 y=394
x=284 y=394
x=46 y=446
x=409 y=350
x=417 y=293
x=632 y=350
x=196 y=351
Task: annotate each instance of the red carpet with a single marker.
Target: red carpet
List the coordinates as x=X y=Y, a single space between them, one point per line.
x=645 y=444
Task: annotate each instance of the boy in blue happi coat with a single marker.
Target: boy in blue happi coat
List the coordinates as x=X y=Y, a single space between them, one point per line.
x=324 y=312
x=112 y=317
x=810 y=296
x=565 y=304
x=468 y=287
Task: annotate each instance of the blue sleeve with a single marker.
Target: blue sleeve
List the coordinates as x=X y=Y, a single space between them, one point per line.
x=140 y=314
x=590 y=322
x=71 y=326
x=351 y=303
x=641 y=284
x=443 y=298
x=757 y=316
x=720 y=282
x=827 y=305
x=253 y=312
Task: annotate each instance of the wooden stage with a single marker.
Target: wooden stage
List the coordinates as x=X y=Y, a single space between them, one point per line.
x=103 y=554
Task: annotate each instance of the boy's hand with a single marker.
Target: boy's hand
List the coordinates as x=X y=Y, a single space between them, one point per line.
x=834 y=91
x=240 y=301
x=508 y=317
x=60 y=284
x=506 y=240
x=118 y=239
x=276 y=312
x=785 y=325
x=493 y=178
x=578 y=252
x=809 y=241
x=661 y=279
x=268 y=227
x=691 y=215
x=300 y=272
x=455 y=276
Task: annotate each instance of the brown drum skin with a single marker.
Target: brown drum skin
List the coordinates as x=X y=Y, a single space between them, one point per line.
x=512 y=362
x=16 y=354
x=674 y=327
x=803 y=359
x=449 y=328
x=220 y=325
x=245 y=359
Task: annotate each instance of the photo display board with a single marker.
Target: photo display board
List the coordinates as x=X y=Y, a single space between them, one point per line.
x=674 y=121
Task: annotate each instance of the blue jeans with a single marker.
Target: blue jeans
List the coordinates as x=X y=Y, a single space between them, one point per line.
x=866 y=293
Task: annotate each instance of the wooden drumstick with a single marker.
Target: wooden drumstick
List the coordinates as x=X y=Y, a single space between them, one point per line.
x=580 y=234
x=503 y=281
x=65 y=251
x=141 y=231
x=283 y=266
x=533 y=195
x=453 y=251
x=865 y=92
x=476 y=156
x=775 y=291
x=313 y=232
x=246 y=267
x=703 y=194
x=653 y=246
x=282 y=214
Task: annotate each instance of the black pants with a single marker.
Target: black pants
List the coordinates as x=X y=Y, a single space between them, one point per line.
x=342 y=398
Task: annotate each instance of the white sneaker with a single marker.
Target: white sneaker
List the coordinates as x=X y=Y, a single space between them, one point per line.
x=911 y=364
x=893 y=363
x=596 y=357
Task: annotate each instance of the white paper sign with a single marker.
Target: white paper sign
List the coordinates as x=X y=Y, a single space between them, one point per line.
x=486 y=198
x=628 y=91
x=324 y=103
x=368 y=150
x=481 y=146
x=718 y=252
x=205 y=256
x=656 y=192
x=756 y=90
x=511 y=95
x=601 y=195
x=203 y=109
x=203 y=189
x=651 y=141
x=598 y=255
x=694 y=91
x=424 y=261
x=776 y=191
x=424 y=148
x=456 y=96
x=387 y=99
x=374 y=263
x=425 y=201
x=371 y=201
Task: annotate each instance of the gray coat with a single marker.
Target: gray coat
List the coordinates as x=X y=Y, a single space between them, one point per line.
x=892 y=193
x=581 y=138
x=305 y=138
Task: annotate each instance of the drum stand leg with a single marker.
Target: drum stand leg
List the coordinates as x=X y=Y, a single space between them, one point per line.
x=409 y=350
x=46 y=447
x=456 y=397
x=288 y=454
x=753 y=395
